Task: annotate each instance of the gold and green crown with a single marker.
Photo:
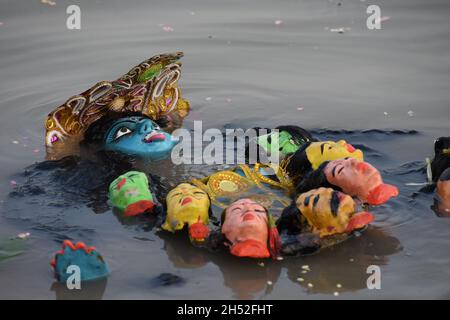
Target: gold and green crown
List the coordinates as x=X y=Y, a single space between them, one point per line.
x=150 y=88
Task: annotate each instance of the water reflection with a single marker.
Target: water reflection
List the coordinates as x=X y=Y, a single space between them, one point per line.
x=90 y=290
x=345 y=264
x=244 y=276
x=144 y=222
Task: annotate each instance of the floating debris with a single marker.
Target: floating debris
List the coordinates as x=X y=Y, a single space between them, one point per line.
x=300 y=279
x=35 y=150
x=13 y=183
x=300 y=109
x=278 y=22
x=306 y=267
x=167 y=28
x=336 y=293
x=351 y=259
x=1 y=23
x=269 y=283
x=386 y=114
x=280 y=258
x=304 y=271
x=192 y=13
x=310 y=285
x=383 y=18
x=15 y=142
x=49 y=2
x=167 y=279
x=411 y=113
x=228 y=100
x=261 y=264
x=339 y=285
x=416 y=183
x=23 y=235
x=339 y=30
x=208 y=98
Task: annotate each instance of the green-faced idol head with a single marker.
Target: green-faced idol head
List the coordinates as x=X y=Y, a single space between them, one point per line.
x=130 y=193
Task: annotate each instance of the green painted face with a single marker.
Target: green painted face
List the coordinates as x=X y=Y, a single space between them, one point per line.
x=130 y=193
x=283 y=140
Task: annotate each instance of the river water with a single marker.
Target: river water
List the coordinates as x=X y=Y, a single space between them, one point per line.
x=247 y=63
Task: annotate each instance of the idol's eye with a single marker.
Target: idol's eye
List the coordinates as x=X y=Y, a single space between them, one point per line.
x=175 y=195
x=199 y=193
x=121 y=132
x=156 y=127
x=238 y=208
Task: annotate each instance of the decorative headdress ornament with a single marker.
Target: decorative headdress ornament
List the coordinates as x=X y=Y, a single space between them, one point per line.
x=150 y=88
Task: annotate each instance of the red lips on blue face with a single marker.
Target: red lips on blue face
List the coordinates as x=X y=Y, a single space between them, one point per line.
x=154 y=136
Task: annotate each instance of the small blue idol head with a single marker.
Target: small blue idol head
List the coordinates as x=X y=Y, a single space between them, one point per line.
x=89 y=265
x=139 y=137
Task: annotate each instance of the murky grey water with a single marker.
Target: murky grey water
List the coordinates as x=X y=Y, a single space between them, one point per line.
x=256 y=72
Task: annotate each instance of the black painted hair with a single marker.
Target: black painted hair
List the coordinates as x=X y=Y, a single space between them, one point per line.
x=96 y=131
x=445 y=176
x=298 y=164
x=299 y=135
x=314 y=179
x=290 y=220
x=441 y=160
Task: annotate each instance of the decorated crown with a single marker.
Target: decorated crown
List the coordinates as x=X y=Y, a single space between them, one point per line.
x=150 y=88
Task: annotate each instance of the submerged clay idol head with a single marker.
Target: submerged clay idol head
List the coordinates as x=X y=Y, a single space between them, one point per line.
x=88 y=259
x=138 y=136
x=250 y=230
x=319 y=152
x=288 y=139
x=441 y=160
x=130 y=193
x=331 y=212
x=313 y=154
x=187 y=204
x=360 y=179
x=149 y=89
x=442 y=197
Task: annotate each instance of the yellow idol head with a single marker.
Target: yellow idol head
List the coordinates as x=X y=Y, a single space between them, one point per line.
x=320 y=152
x=186 y=204
x=331 y=212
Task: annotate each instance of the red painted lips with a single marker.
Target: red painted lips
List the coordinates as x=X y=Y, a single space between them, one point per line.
x=154 y=136
x=248 y=216
x=186 y=201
